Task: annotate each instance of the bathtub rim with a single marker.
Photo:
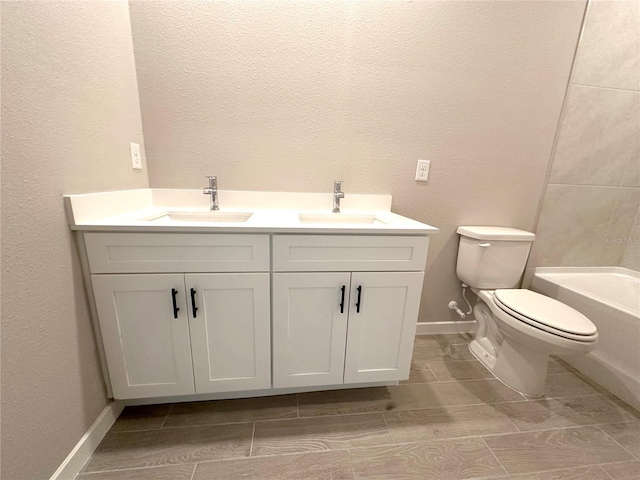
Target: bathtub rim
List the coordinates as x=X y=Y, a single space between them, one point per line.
x=547 y=274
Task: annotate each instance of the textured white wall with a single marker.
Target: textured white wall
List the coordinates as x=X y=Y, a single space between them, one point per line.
x=277 y=95
x=69 y=108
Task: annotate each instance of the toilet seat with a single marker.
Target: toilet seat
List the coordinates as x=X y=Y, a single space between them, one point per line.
x=546 y=314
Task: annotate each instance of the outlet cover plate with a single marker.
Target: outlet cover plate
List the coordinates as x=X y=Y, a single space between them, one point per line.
x=136 y=158
x=422 y=170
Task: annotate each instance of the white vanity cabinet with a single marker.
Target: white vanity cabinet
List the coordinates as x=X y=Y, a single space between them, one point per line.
x=357 y=326
x=270 y=295
x=167 y=334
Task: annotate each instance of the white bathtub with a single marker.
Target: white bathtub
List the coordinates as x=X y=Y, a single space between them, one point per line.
x=610 y=298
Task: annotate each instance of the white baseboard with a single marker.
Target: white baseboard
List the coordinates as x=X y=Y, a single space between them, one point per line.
x=441 y=328
x=89 y=442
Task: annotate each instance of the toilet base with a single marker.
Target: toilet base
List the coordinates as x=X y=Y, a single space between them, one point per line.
x=484 y=351
x=522 y=368
x=517 y=366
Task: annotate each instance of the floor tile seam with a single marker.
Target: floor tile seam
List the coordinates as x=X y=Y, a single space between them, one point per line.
x=384 y=417
x=353 y=468
x=425 y=442
x=464 y=437
x=263 y=456
x=433 y=373
x=330 y=415
x=193 y=473
x=606 y=473
x=615 y=441
x=167 y=415
x=170 y=427
x=599 y=424
x=604 y=464
x=495 y=456
x=598 y=465
x=407 y=409
x=147 y=467
x=331 y=437
x=544 y=430
x=137 y=430
x=536 y=472
x=614 y=463
x=426 y=364
x=453 y=360
x=491 y=379
x=407 y=382
x=253 y=436
x=604 y=398
x=460 y=380
x=555 y=397
x=512 y=422
x=180 y=427
x=460 y=406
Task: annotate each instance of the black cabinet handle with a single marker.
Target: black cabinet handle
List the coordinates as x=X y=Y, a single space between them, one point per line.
x=358 y=302
x=342 y=301
x=193 y=302
x=174 y=294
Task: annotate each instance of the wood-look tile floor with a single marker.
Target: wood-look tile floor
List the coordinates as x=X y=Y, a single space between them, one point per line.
x=450 y=420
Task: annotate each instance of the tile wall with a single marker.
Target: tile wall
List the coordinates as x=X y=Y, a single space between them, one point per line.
x=590 y=210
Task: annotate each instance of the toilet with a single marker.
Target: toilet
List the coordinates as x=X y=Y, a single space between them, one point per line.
x=517 y=329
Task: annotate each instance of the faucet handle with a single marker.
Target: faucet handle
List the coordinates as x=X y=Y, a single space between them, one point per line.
x=337 y=186
x=213 y=181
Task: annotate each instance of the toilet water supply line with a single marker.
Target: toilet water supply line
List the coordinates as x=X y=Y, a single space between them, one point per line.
x=453 y=305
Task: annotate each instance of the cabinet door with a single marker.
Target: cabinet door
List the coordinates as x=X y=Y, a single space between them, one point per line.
x=148 y=350
x=309 y=328
x=382 y=324
x=230 y=331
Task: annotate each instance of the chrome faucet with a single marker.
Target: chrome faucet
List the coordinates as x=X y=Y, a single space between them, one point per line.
x=337 y=195
x=213 y=191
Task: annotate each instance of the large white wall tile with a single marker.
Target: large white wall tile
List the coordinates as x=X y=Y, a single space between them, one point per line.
x=619 y=112
x=632 y=169
x=579 y=129
x=598 y=137
x=597 y=154
x=555 y=233
x=631 y=258
x=620 y=227
x=608 y=55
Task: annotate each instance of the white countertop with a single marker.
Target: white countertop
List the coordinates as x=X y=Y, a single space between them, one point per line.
x=145 y=210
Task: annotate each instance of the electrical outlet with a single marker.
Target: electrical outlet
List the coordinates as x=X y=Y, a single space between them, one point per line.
x=136 y=158
x=422 y=170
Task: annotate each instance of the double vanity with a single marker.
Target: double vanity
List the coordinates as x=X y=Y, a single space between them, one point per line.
x=272 y=293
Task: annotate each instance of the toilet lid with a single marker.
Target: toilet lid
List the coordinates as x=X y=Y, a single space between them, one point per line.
x=544 y=311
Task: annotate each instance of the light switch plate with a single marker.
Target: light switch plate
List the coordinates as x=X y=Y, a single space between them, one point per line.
x=422 y=170
x=136 y=158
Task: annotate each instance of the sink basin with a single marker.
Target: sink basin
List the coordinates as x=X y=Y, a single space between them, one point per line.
x=203 y=217
x=339 y=218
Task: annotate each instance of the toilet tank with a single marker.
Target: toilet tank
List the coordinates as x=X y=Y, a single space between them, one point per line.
x=492 y=257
